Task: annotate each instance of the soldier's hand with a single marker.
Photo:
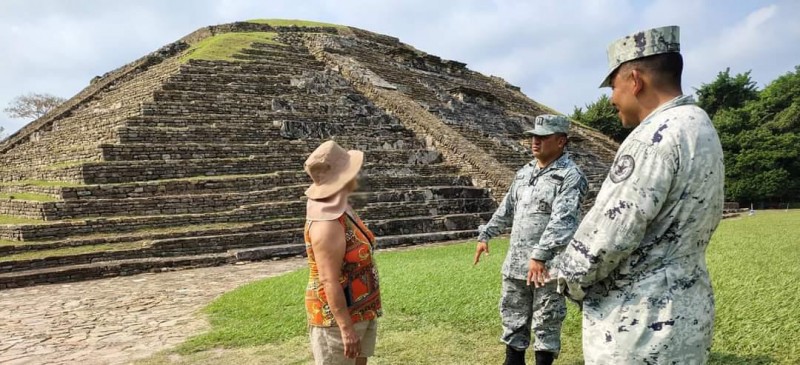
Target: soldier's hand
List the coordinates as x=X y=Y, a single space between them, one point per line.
x=482 y=248
x=537 y=273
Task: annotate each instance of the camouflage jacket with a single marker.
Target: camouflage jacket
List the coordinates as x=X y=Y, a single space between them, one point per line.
x=543 y=208
x=637 y=261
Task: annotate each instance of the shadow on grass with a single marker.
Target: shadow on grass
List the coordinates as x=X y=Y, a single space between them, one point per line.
x=734 y=359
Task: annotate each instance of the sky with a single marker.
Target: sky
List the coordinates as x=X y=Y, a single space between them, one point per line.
x=553 y=49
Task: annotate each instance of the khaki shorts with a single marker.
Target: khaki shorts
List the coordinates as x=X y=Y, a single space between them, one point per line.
x=327 y=346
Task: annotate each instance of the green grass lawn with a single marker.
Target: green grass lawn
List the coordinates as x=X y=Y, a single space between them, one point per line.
x=223 y=46
x=439 y=309
x=36 y=197
x=42 y=183
x=10 y=219
x=9 y=242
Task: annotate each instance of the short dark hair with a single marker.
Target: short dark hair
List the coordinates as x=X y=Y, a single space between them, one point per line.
x=666 y=68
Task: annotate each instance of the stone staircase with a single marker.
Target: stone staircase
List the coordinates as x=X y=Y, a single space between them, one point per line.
x=488 y=112
x=175 y=164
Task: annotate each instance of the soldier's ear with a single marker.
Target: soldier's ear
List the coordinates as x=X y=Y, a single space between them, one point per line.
x=638 y=82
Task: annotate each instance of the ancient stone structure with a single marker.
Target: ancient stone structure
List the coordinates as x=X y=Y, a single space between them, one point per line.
x=178 y=160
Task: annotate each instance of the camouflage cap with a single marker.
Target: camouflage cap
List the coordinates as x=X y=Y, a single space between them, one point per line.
x=547 y=124
x=642 y=44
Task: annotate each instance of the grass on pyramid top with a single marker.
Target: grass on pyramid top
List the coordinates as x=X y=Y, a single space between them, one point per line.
x=222 y=47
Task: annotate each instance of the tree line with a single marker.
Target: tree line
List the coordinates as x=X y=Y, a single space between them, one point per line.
x=759 y=131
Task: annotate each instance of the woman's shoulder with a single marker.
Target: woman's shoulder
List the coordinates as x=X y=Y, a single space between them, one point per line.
x=326 y=228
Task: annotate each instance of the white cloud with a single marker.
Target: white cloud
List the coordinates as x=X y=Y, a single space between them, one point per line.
x=765 y=41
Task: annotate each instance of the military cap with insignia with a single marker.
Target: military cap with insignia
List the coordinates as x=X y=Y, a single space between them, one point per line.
x=547 y=124
x=642 y=44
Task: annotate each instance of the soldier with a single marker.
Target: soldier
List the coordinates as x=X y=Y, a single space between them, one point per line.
x=544 y=205
x=637 y=261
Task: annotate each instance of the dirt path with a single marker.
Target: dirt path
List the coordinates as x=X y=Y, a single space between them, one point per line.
x=117 y=320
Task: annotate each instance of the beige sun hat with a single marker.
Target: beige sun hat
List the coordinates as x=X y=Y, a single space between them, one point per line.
x=331 y=167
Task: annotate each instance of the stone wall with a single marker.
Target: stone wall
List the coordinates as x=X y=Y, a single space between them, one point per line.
x=24 y=209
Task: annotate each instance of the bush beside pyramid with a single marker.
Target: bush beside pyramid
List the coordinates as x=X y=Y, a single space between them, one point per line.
x=192 y=155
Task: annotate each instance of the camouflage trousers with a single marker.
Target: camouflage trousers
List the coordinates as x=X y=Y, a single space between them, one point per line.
x=527 y=310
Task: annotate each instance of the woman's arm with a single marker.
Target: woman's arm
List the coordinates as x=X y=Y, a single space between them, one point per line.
x=328 y=242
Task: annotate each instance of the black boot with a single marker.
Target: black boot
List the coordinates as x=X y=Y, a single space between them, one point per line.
x=514 y=356
x=544 y=357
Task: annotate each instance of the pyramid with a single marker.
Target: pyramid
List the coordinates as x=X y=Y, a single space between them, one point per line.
x=192 y=155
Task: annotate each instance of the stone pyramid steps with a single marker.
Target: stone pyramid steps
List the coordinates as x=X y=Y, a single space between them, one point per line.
x=235 y=134
x=283 y=58
x=168 y=152
x=266 y=91
x=279 y=53
x=253 y=67
x=99 y=270
x=270 y=50
x=243 y=183
x=253 y=108
x=250 y=68
x=179 y=246
x=144 y=235
x=197 y=134
x=243 y=93
x=263 y=119
x=221 y=202
x=213 y=250
x=379 y=205
x=441 y=223
x=410 y=83
x=102 y=269
x=147 y=237
x=191 y=74
x=512 y=158
x=284 y=66
x=112 y=172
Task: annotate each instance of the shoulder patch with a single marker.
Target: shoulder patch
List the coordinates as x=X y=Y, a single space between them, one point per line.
x=622 y=169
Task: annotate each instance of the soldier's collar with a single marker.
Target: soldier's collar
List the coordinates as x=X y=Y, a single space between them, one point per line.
x=676 y=101
x=562 y=161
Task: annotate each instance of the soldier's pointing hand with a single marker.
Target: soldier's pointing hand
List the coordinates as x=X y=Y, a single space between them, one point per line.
x=482 y=248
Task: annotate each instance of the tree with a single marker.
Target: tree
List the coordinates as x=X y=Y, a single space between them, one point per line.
x=32 y=105
x=760 y=140
x=726 y=92
x=602 y=115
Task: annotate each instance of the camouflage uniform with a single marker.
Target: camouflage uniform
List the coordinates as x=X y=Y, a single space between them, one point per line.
x=638 y=259
x=543 y=205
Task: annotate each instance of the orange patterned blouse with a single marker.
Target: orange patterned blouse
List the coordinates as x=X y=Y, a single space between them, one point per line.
x=359 y=277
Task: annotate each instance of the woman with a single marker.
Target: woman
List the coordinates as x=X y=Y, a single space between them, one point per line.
x=342 y=296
